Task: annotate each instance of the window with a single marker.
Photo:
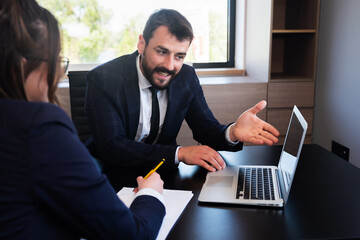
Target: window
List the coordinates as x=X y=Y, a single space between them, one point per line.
x=95 y=31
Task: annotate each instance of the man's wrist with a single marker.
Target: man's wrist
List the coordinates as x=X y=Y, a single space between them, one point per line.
x=177 y=155
x=229 y=136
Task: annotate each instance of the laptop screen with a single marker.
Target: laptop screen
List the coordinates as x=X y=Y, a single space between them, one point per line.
x=291 y=151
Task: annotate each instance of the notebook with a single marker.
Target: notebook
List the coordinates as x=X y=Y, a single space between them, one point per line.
x=175 y=203
x=255 y=184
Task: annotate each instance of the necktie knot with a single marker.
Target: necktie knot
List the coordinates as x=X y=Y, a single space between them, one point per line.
x=153 y=90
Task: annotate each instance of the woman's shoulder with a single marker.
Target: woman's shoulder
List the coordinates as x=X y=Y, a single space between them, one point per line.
x=50 y=112
x=33 y=114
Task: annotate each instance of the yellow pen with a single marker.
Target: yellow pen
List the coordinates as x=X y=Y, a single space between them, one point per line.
x=153 y=170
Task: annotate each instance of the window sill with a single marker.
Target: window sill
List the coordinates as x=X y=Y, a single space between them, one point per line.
x=219 y=72
x=223 y=80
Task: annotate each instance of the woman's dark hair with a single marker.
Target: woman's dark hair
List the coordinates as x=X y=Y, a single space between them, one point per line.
x=176 y=23
x=31 y=33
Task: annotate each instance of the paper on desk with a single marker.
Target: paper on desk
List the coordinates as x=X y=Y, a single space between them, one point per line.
x=175 y=203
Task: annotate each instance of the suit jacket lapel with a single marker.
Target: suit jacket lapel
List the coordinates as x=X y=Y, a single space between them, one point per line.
x=174 y=96
x=132 y=96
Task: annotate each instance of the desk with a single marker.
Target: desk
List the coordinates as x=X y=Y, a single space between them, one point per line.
x=324 y=200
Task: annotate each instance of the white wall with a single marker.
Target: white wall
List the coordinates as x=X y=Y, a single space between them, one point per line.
x=337 y=102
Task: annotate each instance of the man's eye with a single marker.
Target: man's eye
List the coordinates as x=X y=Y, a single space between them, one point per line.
x=162 y=52
x=180 y=57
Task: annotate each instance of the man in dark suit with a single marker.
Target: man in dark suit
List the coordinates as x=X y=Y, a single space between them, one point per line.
x=120 y=110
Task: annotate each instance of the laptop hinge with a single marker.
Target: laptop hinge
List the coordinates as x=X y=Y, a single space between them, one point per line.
x=278 y=184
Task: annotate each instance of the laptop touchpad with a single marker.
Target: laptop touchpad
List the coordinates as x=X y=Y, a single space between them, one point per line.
x=220 y=181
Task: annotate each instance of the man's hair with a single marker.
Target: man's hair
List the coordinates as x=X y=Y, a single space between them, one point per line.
x=176 y=23
x=28 y=32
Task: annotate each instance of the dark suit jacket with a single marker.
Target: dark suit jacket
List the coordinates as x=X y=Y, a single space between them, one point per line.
x=50 y=188
x=113 y=108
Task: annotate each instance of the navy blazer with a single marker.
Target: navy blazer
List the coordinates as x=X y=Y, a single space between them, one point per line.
x=50 y=187
x=113 y=110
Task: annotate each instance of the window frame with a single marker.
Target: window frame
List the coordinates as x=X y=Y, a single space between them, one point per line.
x=230 y=63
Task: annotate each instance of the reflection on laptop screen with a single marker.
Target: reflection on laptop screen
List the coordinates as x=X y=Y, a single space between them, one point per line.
x=294 y=137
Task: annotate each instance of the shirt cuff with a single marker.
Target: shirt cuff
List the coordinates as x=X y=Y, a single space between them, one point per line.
x=176 y=155
x=227 y=136
x=151 y=192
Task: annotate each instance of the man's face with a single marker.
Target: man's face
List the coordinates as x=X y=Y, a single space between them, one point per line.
x=162 y=58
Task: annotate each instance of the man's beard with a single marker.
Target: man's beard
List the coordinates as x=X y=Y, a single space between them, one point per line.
x=148 y=73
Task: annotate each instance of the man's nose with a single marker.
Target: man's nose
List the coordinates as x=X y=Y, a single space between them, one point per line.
x=169 y=63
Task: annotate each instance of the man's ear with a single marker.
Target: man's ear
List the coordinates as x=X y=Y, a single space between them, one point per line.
x=141 y=44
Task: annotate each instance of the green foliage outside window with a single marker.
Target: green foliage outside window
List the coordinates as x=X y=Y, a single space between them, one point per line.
x=86 y=37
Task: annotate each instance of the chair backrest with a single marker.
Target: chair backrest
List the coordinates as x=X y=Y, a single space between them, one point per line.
x=77 y=81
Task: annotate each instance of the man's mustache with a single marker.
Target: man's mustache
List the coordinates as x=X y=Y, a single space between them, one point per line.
x=165 y=70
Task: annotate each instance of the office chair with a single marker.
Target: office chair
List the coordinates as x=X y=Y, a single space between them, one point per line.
x=77 y=82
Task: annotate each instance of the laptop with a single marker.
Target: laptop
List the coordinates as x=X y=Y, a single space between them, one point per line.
x=255 y=184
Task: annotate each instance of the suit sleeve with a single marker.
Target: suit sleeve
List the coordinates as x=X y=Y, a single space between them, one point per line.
x=68 y=184
x=205 y=127
x=108 y=117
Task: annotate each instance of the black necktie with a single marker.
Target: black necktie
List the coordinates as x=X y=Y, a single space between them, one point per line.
x=155 y=116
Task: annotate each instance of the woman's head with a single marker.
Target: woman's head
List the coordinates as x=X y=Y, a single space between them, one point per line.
x=29 y=41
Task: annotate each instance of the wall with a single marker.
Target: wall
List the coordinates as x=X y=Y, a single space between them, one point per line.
x=64 y=97
x=337 y=110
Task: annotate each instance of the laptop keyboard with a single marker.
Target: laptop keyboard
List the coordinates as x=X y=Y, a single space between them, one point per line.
x=255 y=183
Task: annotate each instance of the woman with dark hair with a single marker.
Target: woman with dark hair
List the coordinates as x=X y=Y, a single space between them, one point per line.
x=50 y=188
